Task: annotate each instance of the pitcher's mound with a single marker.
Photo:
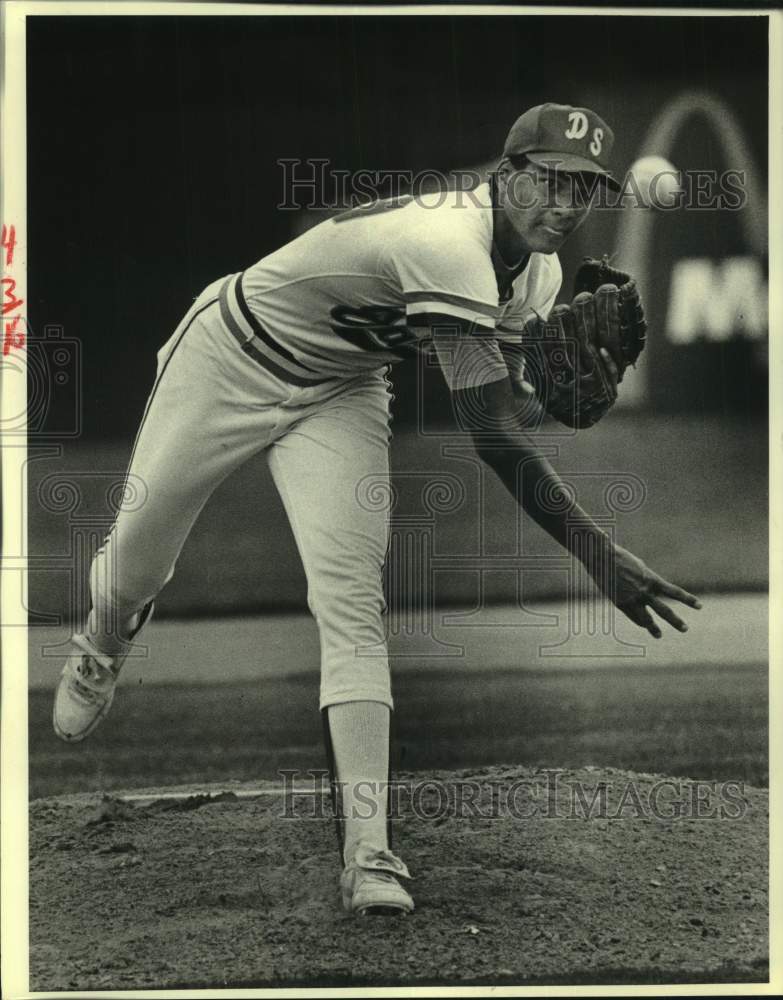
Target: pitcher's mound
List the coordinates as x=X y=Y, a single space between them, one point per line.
x=520 y=877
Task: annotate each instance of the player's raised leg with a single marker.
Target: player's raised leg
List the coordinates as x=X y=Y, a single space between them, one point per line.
x=332 y=470
x=205 y=416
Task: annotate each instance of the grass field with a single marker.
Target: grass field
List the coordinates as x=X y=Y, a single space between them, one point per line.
x=236 y=699
x=695 y=722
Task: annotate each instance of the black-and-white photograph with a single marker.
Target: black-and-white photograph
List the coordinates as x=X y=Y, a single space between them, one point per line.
x=386 y=442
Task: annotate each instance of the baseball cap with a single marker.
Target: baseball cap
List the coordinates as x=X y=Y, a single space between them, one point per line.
x=575 y=140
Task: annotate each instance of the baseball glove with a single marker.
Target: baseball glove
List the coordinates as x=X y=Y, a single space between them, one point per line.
x=576 y=357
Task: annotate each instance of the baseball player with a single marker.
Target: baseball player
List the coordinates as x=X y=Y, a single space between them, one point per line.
x=290 y=357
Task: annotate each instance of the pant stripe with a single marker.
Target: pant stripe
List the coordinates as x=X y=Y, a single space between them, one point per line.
x=163 y=372
x=150 y=399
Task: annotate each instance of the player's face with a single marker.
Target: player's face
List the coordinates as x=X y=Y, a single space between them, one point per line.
x=542 y=207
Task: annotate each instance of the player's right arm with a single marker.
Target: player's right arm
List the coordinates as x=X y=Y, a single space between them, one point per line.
x=450 y=290
x=490 y=413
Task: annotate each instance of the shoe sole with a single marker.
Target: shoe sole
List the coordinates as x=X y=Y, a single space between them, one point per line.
x=387 y=909
x=382 y=911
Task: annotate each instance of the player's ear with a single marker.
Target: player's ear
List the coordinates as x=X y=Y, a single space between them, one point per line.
x=503 y=172
x=504 y=167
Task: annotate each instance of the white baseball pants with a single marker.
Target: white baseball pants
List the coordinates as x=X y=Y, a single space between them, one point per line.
x=211 y=408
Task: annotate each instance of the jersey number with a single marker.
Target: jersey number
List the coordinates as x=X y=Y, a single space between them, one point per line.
x=373 y=328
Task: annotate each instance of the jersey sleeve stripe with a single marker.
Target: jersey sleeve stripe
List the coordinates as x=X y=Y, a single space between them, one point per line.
x=483 y=308
x=444 y=325
x=437 y=307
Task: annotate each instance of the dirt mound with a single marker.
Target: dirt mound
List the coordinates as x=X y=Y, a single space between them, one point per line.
x=520 y=876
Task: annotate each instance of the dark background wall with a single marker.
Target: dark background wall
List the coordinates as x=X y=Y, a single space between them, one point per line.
x=153 y=148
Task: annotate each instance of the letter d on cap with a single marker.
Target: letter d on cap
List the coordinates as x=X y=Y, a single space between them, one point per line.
x=578 y=127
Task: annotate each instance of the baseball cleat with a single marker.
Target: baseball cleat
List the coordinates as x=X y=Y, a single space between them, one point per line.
x=86 y=689
x=369 y=883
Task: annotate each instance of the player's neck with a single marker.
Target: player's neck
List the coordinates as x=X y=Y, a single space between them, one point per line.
x=509 y=245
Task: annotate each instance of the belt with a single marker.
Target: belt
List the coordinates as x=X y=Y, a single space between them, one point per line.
x=258 y=343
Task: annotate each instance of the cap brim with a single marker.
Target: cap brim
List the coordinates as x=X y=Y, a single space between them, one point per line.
x=574 y=165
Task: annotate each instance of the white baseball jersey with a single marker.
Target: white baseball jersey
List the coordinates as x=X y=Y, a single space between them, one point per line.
x=318 y=323
x=365 y=289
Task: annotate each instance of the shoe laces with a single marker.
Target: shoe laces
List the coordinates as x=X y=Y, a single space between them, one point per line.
x=372 y=874
x=366 y=858
x=381 y=854
x=91 y=679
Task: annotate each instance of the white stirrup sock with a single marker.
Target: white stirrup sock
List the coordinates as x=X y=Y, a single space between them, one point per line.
x=360 y=743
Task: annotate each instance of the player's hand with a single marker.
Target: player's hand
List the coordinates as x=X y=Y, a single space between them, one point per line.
x=637 y=590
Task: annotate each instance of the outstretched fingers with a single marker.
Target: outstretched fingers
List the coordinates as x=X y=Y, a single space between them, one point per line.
x=639 y=615
x=667 y=589
x=668 y=615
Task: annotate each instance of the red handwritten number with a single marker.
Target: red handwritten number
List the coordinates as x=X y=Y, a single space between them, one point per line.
x=8 y=242
x=12 y=338
x=10 y=301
